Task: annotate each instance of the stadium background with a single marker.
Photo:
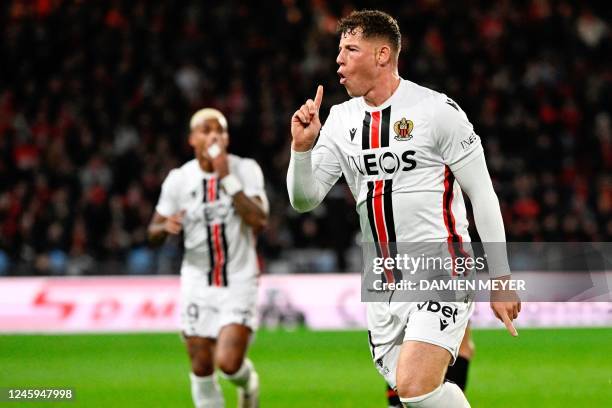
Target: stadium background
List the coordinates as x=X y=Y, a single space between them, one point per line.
x=94 y=103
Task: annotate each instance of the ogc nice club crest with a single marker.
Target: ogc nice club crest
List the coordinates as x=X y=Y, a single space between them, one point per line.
x=402 y=129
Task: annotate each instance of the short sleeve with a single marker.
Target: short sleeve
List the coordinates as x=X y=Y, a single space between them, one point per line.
x=456 y=139
x=168 y=202
x=252 y=179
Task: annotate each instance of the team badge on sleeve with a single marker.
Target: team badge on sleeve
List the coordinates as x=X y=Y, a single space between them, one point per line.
x=403 y=129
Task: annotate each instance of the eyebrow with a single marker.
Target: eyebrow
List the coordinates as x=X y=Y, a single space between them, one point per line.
x=347 y=46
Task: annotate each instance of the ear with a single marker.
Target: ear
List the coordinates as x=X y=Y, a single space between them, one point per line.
x=383 y=55
x=190 y=139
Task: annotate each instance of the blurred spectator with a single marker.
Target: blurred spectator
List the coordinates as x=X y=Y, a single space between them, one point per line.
x=95 y=99
x=5 y=263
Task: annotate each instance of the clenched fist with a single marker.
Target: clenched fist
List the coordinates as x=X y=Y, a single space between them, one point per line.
x=174 y=224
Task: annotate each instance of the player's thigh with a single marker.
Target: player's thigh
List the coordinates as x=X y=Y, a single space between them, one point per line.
x=200 y=346
x=232 y=345
x=467 y=347
x=420 y=368
x=201 y=351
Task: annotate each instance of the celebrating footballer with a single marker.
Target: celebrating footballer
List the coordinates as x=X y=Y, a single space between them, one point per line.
x=218 y=201
x=418 y=199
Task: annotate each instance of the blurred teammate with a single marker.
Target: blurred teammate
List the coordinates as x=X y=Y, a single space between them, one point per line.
x=218 y=201
x=401 y=147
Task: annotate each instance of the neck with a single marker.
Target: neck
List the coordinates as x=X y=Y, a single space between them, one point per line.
x=205 y=165
x=382 y=90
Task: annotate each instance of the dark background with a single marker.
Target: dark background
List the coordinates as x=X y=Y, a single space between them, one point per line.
x=95 y=99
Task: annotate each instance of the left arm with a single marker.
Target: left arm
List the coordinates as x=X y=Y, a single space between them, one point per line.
x=474 y=179
x=462 y=152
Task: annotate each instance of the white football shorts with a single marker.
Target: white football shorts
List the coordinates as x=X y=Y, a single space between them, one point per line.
x=434 y=322
x=205 y=309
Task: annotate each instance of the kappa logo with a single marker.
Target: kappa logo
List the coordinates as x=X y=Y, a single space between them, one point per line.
x=353 y=131
x=403 y=129
x=446 y=311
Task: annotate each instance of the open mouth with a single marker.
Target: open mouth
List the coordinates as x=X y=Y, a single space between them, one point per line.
x=342 y=78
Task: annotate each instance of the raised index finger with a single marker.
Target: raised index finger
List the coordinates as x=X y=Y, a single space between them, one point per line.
x=318 y=97
x=509 y=324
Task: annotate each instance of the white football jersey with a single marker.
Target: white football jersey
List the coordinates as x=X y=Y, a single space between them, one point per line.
x=219 y=246
x=398 y=160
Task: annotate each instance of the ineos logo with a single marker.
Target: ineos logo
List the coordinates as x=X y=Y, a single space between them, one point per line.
x=217 y=211
x=373 y=164
x=389 y=162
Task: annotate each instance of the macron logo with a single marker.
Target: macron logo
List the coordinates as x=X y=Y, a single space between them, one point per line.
x=443 y=324
x=447 y=311
x=352 y=132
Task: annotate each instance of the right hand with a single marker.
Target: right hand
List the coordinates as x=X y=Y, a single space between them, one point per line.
x=305 y=123
x=174 y=223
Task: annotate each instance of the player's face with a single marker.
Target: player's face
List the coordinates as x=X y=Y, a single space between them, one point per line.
x=357 y=61
x=207 y=134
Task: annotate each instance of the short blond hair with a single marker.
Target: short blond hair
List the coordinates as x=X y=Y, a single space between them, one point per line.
x=205 y=114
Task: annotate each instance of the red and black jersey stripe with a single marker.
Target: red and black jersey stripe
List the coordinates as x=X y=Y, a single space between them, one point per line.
x=375 y=130
x=380 y=216
x=365 y=131
x=225 y=252
x=455 y=241
x=379 y=200
x=217 y=242
x=385 y=126
x=208 y=234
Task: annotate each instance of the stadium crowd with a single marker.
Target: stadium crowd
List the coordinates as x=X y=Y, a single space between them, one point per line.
x=95 y=99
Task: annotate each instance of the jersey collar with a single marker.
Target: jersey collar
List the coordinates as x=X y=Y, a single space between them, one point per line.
x=386 y=103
